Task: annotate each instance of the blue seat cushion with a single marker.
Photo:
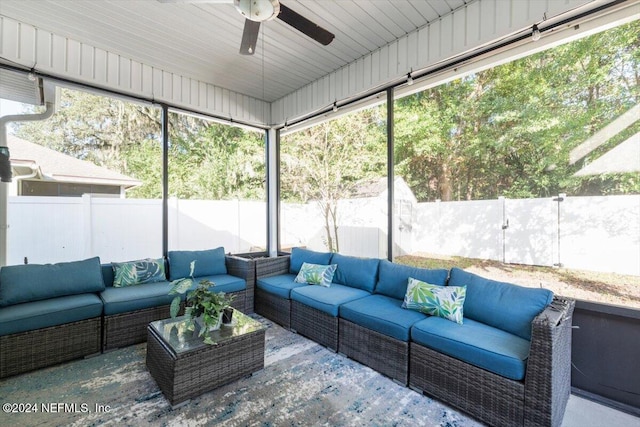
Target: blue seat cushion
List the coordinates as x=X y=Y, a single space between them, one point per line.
x=30 y=316
x=207 y=263
x=300 y=255
x=382 y=314
x=327 y=300
x=223 y=283
x=361 y=273
x=506 y=306
x=34 y=282
x=393 y=278
x=473 y=342
x=132 y=298
x=279 y=285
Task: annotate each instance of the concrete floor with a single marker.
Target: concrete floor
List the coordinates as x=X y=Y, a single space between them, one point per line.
x=581 y=412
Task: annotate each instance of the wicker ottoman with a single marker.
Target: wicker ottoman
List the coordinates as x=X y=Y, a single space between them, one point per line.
x=185 y=367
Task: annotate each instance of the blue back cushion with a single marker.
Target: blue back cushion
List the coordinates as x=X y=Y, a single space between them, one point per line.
x=503 y=305
x=393 y=278
x=107 y=274
x=300 y=256
x=208 y=263
x=34 y=282
x=361 y=273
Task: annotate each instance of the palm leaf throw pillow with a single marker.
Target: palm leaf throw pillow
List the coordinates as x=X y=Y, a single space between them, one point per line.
x=138 y=272
x=315 y=274
x=442 y=301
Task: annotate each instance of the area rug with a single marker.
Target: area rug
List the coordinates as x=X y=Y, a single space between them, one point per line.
x=302 y=384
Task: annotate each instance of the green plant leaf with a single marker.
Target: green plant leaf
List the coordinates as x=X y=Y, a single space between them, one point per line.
x=175 y=306
x=180 y=286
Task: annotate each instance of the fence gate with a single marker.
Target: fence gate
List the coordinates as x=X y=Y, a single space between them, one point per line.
x=531 y=231
x=403 y=222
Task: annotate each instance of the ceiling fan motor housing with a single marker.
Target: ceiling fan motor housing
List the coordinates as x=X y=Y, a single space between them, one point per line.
x=258 y=10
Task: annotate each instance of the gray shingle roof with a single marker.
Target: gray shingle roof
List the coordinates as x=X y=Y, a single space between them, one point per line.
x=57 y=166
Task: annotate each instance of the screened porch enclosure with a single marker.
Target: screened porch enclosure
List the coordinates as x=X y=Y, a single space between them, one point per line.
x=379 y=145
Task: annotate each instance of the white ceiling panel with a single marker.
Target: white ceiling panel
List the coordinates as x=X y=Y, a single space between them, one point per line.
x=200 y=39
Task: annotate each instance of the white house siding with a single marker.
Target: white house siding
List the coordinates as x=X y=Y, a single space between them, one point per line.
x=70 y=59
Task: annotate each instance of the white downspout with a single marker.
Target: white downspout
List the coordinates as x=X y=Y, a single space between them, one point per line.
x=33 y=174
x=4 y=186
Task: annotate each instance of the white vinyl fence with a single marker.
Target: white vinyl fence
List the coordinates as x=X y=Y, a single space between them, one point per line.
x=590 y=233
x=585 y=233
x=54 y=229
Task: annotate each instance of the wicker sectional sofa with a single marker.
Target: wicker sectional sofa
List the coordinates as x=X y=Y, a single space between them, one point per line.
x=59 y=312
x=508 y=363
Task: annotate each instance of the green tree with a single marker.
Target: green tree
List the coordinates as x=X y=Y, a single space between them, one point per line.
x=121 y=136
x=506 y=131
x=326 y=162
x=214 y=161
x=207 y=160
x=509 y=130
x=94 y=128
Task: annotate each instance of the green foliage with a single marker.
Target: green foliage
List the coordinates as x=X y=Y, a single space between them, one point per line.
x=506 y=131
x=180 y=287
x=213 y=161
x=201 y=302
x=207 y=160
x=208 y=305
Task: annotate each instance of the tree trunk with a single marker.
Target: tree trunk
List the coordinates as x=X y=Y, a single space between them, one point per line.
x=327 y=228
x=444 y=183
x=334 y=218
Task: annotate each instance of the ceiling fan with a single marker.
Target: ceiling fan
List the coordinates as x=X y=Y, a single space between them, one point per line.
x=257 y=11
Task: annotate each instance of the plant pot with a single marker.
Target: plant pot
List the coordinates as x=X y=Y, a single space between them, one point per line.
x=227 y=315
x=215 y=327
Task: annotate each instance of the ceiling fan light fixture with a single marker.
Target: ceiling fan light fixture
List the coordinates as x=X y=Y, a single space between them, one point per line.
x=258 y=10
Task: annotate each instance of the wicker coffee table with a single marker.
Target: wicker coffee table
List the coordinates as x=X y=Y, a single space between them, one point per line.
x=184 y=367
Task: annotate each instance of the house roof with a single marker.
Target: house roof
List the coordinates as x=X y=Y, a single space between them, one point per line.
x=377 y=187
x=51 y=165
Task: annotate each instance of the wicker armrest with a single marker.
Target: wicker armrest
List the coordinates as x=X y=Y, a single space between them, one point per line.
x=244 y=268
x=558 y=312
x=241 y=267
x=548 y=376
x=272 y=266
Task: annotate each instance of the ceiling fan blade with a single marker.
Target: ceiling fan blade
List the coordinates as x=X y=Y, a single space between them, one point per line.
x=249 y=37
x=305 y=26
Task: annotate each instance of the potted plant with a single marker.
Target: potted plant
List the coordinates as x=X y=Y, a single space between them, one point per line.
x=203 y=306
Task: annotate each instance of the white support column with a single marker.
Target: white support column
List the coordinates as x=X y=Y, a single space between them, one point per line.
x=173 y=224
x=272 y=193
x=4 y=187
x=87 y=221
x=4 y=222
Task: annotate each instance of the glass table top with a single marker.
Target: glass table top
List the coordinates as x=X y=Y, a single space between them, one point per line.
x=175 y=334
